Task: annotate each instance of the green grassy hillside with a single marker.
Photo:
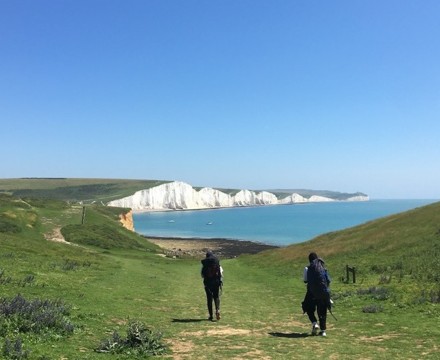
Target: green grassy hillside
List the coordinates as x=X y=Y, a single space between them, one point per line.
x=64 y=300
x=75 y=189
x=406 y=244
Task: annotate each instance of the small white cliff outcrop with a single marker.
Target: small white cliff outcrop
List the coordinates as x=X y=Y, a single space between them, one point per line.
x=182 y=196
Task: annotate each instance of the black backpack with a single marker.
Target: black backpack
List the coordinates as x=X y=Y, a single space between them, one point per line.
x=318 y=280
x=211 y=269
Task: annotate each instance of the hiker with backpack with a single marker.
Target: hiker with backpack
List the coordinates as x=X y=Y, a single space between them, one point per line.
x=318 y=294
x=212 y=274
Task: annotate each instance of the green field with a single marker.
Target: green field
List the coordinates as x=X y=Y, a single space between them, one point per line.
x=88 y=190
x=107 y=278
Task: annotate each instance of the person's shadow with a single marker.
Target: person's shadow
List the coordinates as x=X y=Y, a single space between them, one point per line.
x=290 y=335
x=188 y=320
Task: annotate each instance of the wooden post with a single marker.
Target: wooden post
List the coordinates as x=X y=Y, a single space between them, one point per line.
x=351 y=269
x=83 y=215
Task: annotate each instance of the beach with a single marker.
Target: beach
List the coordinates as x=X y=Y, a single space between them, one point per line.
x=197 y=247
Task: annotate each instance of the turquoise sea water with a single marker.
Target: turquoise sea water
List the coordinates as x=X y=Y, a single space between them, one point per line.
x=276 y=225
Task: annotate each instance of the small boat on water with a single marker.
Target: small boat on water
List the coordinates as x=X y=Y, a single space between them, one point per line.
x=209 y=223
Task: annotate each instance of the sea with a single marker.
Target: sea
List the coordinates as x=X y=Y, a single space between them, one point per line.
x=279 y=225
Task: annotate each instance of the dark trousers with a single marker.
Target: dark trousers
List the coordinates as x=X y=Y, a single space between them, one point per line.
x=212 y=294
x=313 y=305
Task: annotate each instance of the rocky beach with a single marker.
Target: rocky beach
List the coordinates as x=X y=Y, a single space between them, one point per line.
x=197 y=248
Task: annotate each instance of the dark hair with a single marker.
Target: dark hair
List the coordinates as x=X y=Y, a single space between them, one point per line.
x=209 y=254
x=312 y=256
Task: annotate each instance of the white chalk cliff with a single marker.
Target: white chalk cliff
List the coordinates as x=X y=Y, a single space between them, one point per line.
x=181 y=196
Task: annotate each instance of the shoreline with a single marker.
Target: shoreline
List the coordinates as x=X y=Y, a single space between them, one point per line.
x=197 y=247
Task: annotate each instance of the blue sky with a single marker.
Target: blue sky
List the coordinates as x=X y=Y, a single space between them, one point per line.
x=334 y=95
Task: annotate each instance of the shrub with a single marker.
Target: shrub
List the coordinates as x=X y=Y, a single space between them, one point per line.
x=4 y=279
x=8 y=226
x=14 y=350
x=19 y=315
x=378 y=293
x=140 y=341
x=432 y=296
x=27 y=280
x=69 y=265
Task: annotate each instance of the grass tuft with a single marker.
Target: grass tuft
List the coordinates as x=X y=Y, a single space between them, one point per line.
x=4 y=279
x=372 y=309
x=14 y=350
x=139 y=342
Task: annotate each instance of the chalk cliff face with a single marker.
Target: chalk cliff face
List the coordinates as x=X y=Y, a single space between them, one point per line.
x=127 y=220
x=358 y=198
x=317 y=198
x=179 y=196
x=294 y=198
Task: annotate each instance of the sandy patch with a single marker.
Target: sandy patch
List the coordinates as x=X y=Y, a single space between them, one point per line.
x=255 y=354
x=181 y=349
x=56 y=236
x=378 y=338
x=221 y=331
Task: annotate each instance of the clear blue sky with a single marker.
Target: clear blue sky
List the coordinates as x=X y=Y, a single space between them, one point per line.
x=334 y=95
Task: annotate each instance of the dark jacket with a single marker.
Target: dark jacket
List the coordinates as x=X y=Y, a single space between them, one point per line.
x=207 y=264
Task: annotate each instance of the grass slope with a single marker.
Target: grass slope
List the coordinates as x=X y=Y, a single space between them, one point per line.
x=112 y=280
x=75 y=189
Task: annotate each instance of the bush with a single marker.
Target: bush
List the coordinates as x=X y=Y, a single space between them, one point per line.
x=140 y=341
x=8 y=225
x=378 y=293
x=432 y=296
x=27 y=280
x=14 y=350
x=19 y=315
x=3 y=278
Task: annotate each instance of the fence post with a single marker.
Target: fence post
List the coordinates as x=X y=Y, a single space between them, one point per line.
x=83 y=215
x=351 y=269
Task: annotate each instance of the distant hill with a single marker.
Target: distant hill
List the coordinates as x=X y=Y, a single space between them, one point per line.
x=105 y=190
x=72 y=189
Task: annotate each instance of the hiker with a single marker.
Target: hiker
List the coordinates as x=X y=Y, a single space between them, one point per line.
x=318 y=293
x=212 y=274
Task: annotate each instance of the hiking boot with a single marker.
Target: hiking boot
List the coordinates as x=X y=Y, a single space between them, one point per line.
x=315 y=328
x=322 y=333
x=211 y=318
x=217 y=315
